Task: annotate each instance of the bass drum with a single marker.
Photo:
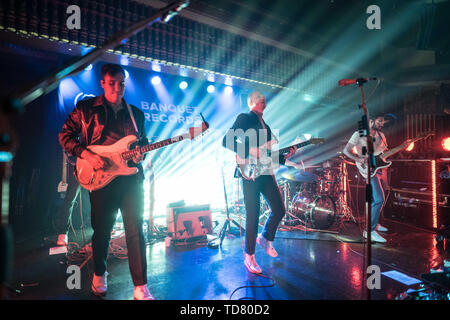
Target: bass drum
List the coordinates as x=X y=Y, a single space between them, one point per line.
x=323 y=212
x=317 y=213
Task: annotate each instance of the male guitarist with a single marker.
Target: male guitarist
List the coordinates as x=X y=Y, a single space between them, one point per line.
x=253 y=125
x=379 y=180
x=104 y=120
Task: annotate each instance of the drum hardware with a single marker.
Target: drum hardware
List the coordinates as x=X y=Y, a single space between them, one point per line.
x=318 y=198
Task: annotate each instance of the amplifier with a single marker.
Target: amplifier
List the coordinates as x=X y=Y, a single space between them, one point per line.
x=188 y=222
x=415 y=197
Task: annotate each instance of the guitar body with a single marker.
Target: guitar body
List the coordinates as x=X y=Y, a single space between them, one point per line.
x=115 y=165
x=379 y=164
x=252 y=168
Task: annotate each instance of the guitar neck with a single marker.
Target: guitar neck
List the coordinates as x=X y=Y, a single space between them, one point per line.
x=128 y=155
x=298 y=145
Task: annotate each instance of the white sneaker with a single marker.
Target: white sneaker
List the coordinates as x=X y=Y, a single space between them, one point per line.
x=251 y=265
x=374 y=237
x=142 y=293
x=99 y=284
x=62 y=240
x=381 y=228
x=267 y=245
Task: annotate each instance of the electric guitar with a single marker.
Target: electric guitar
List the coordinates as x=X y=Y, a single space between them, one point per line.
x=116 y=157
x=380 y=160
x=252 y=168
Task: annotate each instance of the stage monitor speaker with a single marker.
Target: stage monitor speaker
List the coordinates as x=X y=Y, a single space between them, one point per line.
x=188 y=222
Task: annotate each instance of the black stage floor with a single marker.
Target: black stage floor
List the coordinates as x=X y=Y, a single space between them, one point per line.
x=310 y=266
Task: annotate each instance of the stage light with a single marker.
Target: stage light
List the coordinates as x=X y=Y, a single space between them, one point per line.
x=228 y=81
x=410 y=147
x=156 y=67
x=183 y=72
x=89 y=67
x=156 y=80
x=210 y=88
x=307 y=136
x=307 y=97
x=124 y=61
x=126 y=74
x=228 y=90
x=183 y=85
x=210 y=77
x=5 y=156
x=446 y=144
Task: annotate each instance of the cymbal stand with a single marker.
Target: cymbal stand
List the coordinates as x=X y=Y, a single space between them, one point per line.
x=344 y=209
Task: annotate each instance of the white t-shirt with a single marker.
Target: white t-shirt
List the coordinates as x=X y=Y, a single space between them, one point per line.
x=379 y=142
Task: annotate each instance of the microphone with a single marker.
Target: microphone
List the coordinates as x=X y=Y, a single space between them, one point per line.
x=346 y=82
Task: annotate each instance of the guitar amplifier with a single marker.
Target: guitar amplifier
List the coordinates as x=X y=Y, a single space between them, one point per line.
x=188 y=222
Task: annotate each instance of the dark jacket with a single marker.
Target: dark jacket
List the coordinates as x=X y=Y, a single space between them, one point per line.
x=245 y=121
x=85 y=124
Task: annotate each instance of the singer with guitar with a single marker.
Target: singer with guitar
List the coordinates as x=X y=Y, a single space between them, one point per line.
x=264 y=183
x=102 y=121
x=379 y=180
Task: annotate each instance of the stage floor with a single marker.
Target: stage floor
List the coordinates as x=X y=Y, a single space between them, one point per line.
x=310 y=266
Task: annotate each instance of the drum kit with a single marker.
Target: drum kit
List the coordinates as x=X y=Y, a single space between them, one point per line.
x=317 y=196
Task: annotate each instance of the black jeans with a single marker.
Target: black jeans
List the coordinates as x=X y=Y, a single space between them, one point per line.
x=124 y=193
x=267 y=186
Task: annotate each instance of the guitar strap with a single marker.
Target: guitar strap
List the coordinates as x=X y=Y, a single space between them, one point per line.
x=133 y=120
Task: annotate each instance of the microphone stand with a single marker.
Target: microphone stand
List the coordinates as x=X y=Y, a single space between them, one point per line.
x=364 y=126
x=17 y=102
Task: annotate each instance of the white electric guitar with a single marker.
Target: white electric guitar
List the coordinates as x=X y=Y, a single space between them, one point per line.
x=252 y=168
x=380 y=160
x=116 y=157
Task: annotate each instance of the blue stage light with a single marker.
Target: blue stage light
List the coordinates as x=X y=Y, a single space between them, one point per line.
x=210 y=77
x=228 y=81
x=124 y=61
x=307 y=97
x=126 y=74
x=89 y=67
x=210 y=88
x=156 y=67
x=156 y=80
x=183 y=85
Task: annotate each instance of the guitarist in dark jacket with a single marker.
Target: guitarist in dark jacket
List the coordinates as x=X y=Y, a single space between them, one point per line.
x=247 y=135
x=104 y=120
x=379 y=181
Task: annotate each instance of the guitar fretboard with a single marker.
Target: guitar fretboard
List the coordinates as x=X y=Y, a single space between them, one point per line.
x=128 y=155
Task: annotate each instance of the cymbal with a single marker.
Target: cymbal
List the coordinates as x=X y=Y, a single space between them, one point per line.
x=293 y=174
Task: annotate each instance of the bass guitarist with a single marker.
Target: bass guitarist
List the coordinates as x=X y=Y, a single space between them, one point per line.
x=104 y=120
x=251 y=124
x=379 y=180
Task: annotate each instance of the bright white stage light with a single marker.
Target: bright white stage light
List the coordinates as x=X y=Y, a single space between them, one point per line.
x=156 y=67
x=228 y=90
x=183 y=85
x=210 y=88
x=156 y=80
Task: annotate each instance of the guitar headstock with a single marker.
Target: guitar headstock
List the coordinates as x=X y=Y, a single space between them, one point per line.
x=316 y=140
x=194 y=132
